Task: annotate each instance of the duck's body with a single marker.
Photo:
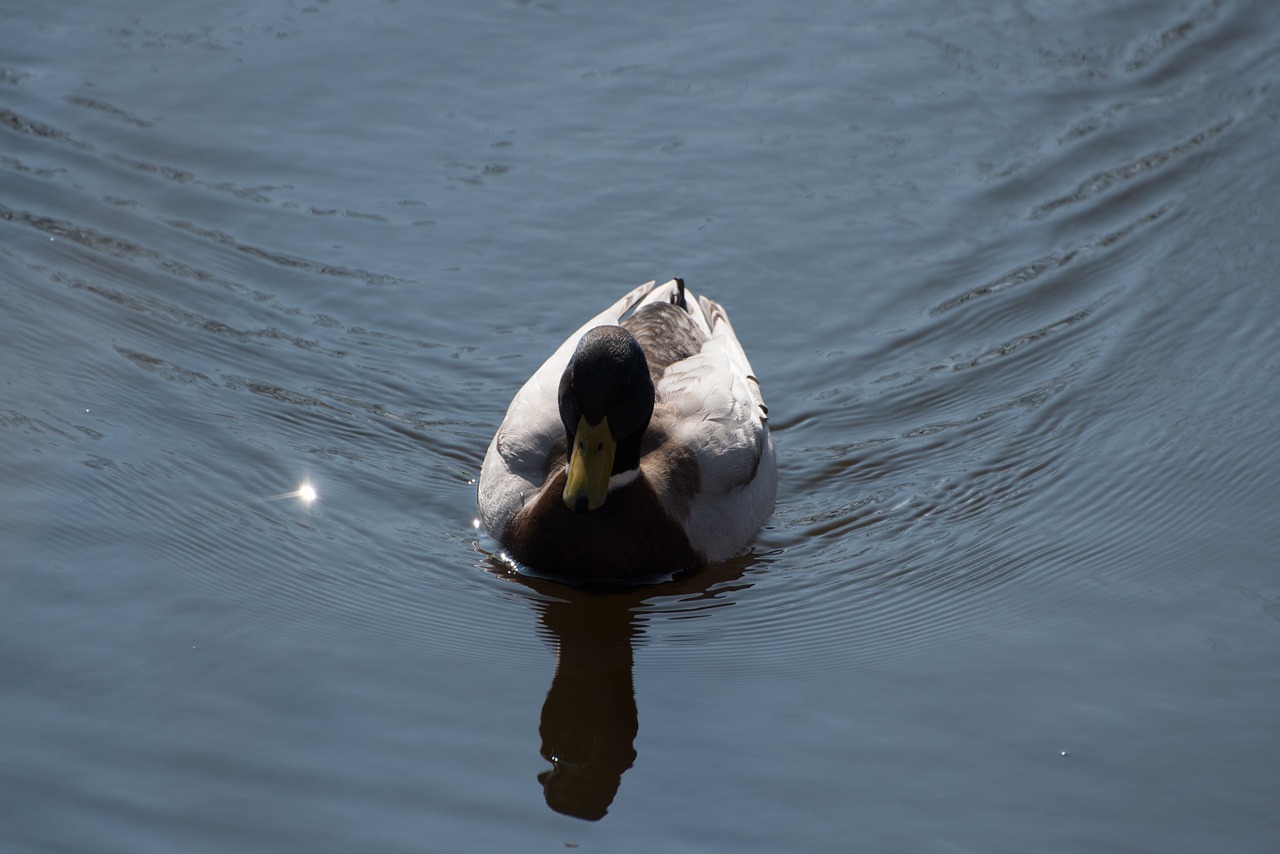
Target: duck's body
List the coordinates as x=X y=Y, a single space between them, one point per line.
x=644 y=491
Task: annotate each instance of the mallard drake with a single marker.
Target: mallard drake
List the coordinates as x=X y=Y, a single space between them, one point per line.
x=641 y=447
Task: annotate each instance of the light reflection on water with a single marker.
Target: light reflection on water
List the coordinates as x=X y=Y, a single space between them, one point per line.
x=1005 y=276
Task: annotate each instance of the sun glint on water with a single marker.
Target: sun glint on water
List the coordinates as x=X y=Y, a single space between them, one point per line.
x=306 y=493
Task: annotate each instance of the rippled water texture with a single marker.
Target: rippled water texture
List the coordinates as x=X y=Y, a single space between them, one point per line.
x=1007 y=272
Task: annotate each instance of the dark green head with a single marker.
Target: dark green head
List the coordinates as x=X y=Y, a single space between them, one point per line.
x=606 y=400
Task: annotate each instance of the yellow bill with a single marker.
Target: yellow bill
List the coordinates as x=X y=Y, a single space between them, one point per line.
x=590 y=466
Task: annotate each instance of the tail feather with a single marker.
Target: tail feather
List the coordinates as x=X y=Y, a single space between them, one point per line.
x=678 y=297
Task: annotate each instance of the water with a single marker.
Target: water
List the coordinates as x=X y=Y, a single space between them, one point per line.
x=1006 y=273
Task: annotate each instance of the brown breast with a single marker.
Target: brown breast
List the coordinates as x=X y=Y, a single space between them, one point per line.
x=629 y=537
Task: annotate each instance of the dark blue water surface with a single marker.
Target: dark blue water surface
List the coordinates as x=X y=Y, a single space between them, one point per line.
x=1007 y=272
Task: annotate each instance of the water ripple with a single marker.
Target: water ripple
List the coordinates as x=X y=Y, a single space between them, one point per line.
x=1102 y=182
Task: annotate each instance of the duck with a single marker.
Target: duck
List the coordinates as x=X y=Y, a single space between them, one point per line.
x=639 y=449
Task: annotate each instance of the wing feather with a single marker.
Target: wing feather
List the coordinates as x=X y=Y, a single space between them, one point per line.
x=713 y=404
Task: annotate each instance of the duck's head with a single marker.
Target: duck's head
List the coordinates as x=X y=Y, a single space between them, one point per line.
x=606 y=400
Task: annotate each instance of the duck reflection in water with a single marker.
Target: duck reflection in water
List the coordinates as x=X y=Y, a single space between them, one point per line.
x=589 y=718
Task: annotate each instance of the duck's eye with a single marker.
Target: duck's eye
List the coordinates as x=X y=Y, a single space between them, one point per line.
x=582 y=446
x=599 y=447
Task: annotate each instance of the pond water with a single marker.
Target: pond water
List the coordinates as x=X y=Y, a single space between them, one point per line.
x=1007 y=272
